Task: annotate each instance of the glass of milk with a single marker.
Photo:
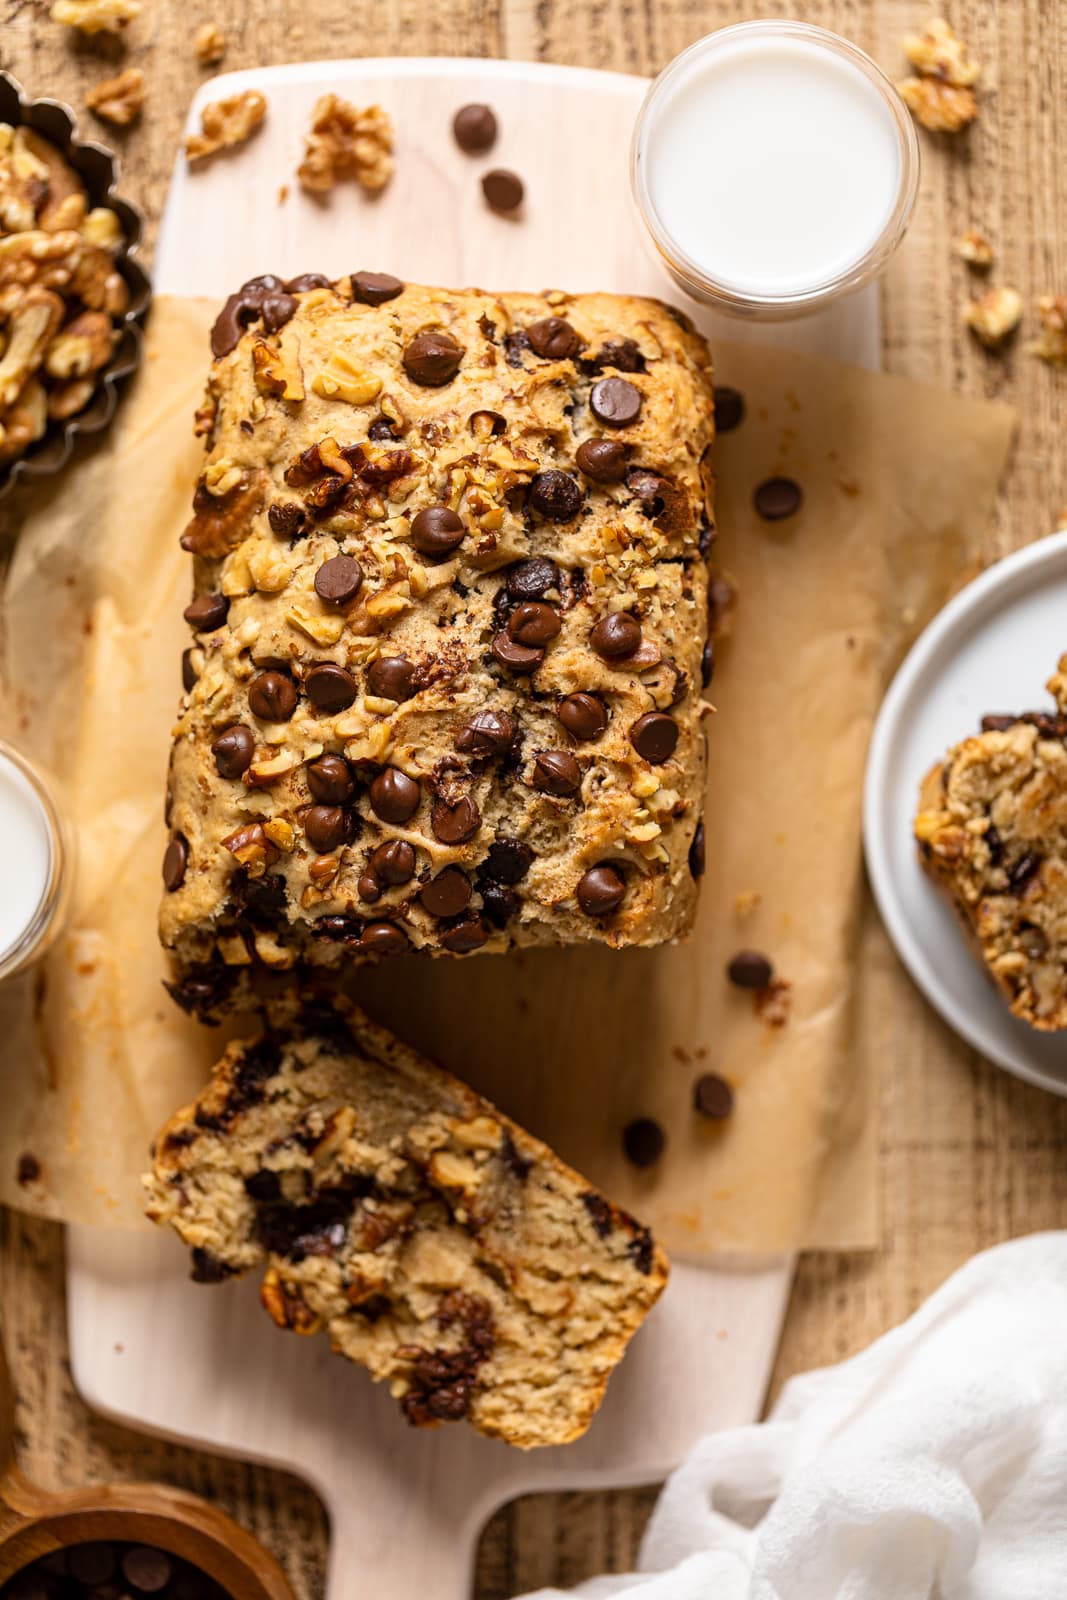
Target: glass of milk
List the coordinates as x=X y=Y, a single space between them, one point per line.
x=775 y=167
x=36 y=872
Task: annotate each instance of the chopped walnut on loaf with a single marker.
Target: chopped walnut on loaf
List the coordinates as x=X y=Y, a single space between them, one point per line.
x=941 y=97
x=226 y=123
x=347 y=142
x=994 y=316
x=119 y=100
x=1051 y=345
x=96 y=16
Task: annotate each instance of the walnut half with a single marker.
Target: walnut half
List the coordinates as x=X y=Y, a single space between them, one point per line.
x=994 y=316
x=96 y=16
x=346 y=142
x=119 y=100
x=226 y=123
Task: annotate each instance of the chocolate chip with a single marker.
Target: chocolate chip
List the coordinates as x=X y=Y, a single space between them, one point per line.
x=339 y=580
x=749 y=969
x=368 y=888
x=622 y=354
x=552 y=338
x=394 y=797
x=446 y=895
x=1035 y=941
x=776 y=498
x=514 y=345
x=233 y=750
x=583 y=715
x=437 y=530
x=474 y=129
x=713 y=1097
x=707 y=663
x=307 y=281
x=1022 y=871
x=654 y=737
x=381 y=428
x=27 y=1168
x=383 y=939
x=487 y=733
x=207 y=612
x=393 y=862
x=533 y=623
x=455 y=821
x=603 y=460
x=517 y=658
x=189 y=672
x=374 y=288
x=391 y=678
x=330 y=780
x=498 y=903
x=432 y=359
x=287 y=519
x=615 y=402
x=503 y=190
x=995 y=845
x=643 y=1141
x=272 y=697
x=556 y=495
x=264 y=297
x=329 y=687
x=697 y=853
x=148 y=1569
x=175 y=861
x=556 y=772
x=615 y=636
x=531 y=579
x=92 y=1563
x=648 y=489
x=507 y=861
x=729 y=408
x=466 y=936
x=600 y=890
x=329 y=827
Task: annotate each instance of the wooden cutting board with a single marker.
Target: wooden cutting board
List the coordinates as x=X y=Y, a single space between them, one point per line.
x=206 y=1367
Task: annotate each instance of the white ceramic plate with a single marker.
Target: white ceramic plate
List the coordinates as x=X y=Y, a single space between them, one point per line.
x=990 y=649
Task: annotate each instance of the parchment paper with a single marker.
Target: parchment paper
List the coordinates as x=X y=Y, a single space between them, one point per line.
x=899 y=483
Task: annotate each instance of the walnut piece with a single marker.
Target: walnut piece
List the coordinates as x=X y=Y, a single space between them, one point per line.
x=938 y=53
x=940 y=107
x=346 y=142
x=96 y=16
x=976 y=250
x=994 y=316
x=225 y=123
x=119 y=100
x=210 y=43
x=1052 y=344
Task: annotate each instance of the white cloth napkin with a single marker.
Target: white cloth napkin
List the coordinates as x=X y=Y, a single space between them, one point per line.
x=933 y=1466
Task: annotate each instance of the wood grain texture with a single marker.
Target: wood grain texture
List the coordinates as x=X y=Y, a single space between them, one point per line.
x=969 y=1156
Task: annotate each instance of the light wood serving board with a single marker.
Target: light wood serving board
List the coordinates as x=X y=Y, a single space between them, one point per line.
x=207 y=1367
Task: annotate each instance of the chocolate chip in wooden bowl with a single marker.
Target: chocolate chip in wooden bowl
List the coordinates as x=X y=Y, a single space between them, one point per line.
x=455 y=821
x=603 y=460
x=601 y=890
x=329 y=827
x=391 y=678
x=375 y=288
x=330 y=687
x=331 y=780
x=615 y=636
x=698 y=853
x=518 y=658
x=556 y=772
x=233 y=751
x=394 y=797
x=175 y=861
x=654 y=737
x=272 y=697
x=432 y=359
x=583 y=715
x=466 y=936
x=92 y=1563
x=393 y=862
x=446 y=895
x=553 y=338
x=339 y=580
x=712 y=1097
x=207 y=612
x=615 y=402
x=532 y=579
x=437 y=530
x=504 y=191
x=750 y=969
x=643 y=1142
x=533 y=623
x=488 y=733
x=148 y=1570
x=474 y=128
x=729 y=408
x=777 y=498
x=556 y=495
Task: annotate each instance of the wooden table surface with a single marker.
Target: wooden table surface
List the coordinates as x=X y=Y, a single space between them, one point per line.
x=968 y=1156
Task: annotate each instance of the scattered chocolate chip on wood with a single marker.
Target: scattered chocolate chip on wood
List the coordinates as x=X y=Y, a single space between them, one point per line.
x=713 y=1097
x=750 y=969
x=643 y=1142
x=729 y=408
x=504 y=191
x=777 y=498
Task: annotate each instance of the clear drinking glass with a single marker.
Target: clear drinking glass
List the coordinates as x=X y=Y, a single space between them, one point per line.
x=35 y=883
x=696 y=279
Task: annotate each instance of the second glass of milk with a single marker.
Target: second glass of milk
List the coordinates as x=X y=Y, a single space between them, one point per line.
x=36 y=875
x=775 y=166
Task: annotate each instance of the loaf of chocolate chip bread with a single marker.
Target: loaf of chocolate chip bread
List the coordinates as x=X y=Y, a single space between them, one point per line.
x=449 y=625
x=439 y=1245
x=992 y=833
